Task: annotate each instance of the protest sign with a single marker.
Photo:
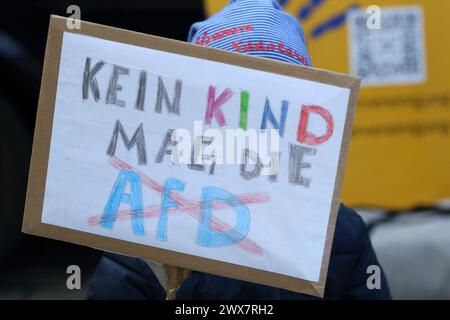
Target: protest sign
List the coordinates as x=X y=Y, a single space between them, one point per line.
x=399 y=155
x=194 y=157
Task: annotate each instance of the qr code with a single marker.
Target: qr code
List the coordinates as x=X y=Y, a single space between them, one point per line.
x=394 y=53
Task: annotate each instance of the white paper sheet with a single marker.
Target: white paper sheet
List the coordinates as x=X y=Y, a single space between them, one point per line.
x=288 y=225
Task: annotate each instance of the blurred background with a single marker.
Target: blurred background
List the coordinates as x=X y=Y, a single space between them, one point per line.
x=398 y=173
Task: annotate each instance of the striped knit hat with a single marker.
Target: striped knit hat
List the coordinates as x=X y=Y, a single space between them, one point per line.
x=255 y=27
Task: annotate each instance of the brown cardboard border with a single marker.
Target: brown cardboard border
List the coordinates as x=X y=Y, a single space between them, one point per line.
x=39 y=162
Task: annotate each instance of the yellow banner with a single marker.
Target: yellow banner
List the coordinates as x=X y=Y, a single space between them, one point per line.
x=400 y=149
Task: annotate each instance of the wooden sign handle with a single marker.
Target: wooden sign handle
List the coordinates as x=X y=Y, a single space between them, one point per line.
x=175 y=277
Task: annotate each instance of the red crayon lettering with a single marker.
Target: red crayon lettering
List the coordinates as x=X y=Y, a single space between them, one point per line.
x=306 y=137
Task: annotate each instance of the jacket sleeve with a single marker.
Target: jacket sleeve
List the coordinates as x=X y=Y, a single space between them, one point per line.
x=362 y=275
x=121 y=277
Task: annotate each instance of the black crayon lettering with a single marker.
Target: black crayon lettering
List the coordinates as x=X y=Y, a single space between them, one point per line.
x=248 y=175
x=196 y=152
x=164 y=149
x=296 y=164
x=89 y=80
x=172 y=107
x=138 y=139
x=212 y=168
x=274 y=177
x=141 y=91
x=114 y=87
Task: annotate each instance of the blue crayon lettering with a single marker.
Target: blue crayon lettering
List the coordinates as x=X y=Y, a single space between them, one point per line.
x=207 y=236
x=133 y=199
x=166 y=203
x=268 y=115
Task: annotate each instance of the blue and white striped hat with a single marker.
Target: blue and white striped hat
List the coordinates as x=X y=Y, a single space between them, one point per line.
x=256 y=27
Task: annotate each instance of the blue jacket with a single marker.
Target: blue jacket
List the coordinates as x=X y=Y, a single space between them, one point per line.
x=121 y=277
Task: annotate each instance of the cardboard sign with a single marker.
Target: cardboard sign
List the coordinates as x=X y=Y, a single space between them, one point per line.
x=137 y=151
x=399 y=155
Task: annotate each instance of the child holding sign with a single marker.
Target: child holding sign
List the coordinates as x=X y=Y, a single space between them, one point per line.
x=260 y=28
